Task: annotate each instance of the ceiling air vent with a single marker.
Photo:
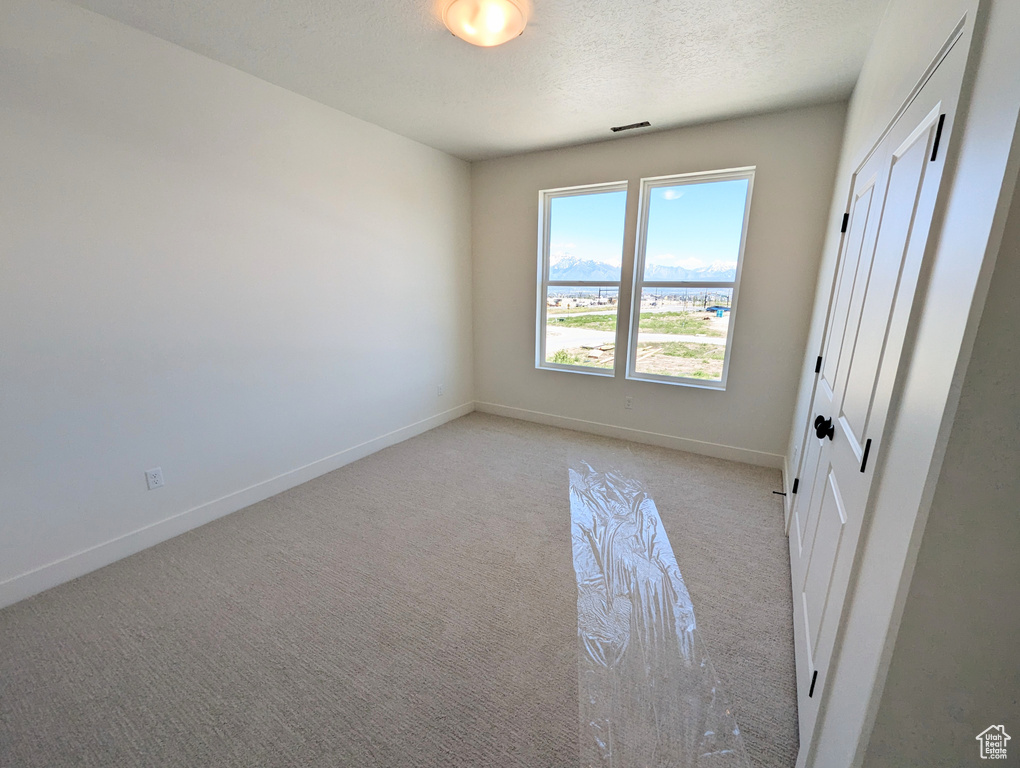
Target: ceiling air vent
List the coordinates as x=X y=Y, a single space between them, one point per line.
x=618 y=128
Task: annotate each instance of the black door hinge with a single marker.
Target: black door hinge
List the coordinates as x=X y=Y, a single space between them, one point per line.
x=796 y=484
x=846 y=220
x=818 y=364
x=814 y=679
x=938 y=138
x=864 y=458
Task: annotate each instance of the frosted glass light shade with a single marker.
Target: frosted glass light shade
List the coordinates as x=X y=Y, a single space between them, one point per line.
x=485 y=22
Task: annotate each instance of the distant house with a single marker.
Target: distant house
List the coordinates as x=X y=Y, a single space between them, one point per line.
x=562 y=301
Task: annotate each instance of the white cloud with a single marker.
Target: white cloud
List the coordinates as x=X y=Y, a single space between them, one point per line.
x=673 y=193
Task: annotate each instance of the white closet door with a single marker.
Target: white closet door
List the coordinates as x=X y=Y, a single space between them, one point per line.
x=893 y=200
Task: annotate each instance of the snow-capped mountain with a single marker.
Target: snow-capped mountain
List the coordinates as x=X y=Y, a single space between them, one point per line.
x=716 y=272
x=574 y=268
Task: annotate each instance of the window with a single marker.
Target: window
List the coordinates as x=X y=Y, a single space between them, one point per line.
x=691 y=230
x=581 y=247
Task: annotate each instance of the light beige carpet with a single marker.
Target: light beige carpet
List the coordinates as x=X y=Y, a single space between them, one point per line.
x=415 y=608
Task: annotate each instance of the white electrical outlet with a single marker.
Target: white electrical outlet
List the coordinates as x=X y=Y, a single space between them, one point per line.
x=154 y=478
x=628 y=403
x=439 y=391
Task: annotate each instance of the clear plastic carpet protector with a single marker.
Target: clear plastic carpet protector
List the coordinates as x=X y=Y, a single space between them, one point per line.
x=649 y=695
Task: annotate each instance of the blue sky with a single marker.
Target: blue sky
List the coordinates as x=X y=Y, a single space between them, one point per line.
x=694 y=225
x=588 y=227
x=691 y=225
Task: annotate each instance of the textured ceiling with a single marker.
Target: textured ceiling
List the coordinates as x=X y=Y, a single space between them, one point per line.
x=580 y=67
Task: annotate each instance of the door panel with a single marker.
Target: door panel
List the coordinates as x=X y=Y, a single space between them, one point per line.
x=806 y=497
x=903 y=192
x=818 y=576
x=842 y=356
x=855 y=242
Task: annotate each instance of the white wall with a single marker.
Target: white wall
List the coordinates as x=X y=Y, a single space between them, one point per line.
x=965 y=240
x=204 y=272
x=795 y=153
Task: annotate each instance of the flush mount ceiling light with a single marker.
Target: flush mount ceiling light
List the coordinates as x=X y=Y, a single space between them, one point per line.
x=485 y=22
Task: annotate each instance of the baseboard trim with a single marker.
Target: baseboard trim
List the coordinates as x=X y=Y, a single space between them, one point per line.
x=732 y=453
x=71 y=567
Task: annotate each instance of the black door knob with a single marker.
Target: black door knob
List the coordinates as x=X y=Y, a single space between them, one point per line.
x=824 y=428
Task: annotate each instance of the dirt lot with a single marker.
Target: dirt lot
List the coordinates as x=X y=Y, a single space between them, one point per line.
x=687 y=357
x=698 y=361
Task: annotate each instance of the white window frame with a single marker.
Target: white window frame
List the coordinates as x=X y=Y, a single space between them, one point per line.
x=637 y=285
x=545 y=198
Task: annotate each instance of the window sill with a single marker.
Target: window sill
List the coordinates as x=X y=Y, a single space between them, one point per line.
x=674 y=381
x=603 y=372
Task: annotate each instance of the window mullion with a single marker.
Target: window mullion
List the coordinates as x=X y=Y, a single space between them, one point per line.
x=582 y=283
x=685 y=284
